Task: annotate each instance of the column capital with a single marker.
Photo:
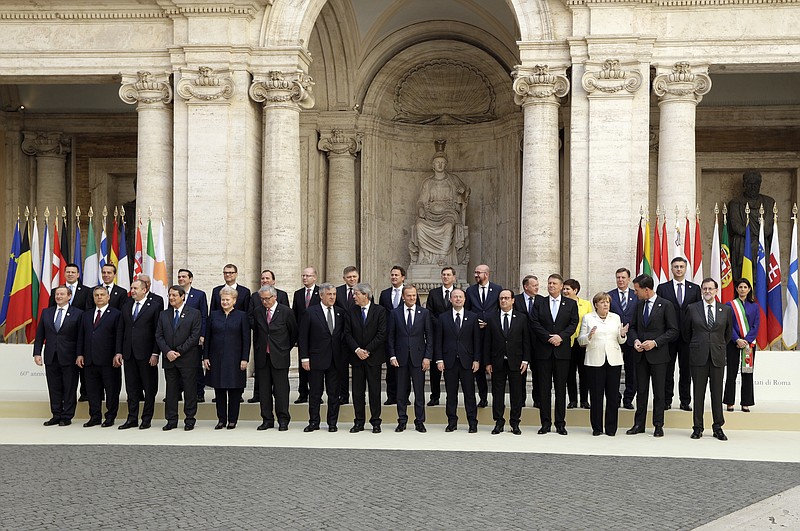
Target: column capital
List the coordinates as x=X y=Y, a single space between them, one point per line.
x=146 y=88
x=50 y=144
x=682 y=84
x=340 y=142
x=538 y=85
x=283 y=88
x=206 y=86
x=611 y=79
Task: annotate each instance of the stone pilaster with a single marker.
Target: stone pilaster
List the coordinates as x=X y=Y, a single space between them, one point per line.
x=341 y=147
x=679 y=91
x=539 y=92
x=283 y=95
x=50 y=150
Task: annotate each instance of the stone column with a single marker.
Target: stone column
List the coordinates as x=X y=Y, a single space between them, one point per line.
x=152 y=94
x=341 y=147
x=539 y=93
x=678 y=93
x=50 y=150
x=283 y=95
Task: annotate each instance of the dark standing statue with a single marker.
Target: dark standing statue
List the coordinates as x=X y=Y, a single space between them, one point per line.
x=737 y=220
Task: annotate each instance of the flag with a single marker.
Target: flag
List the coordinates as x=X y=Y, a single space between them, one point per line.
x=747 y=258
x=774 y=302
x=114 y=258
x=103 y=252
x=790 y=314
x=36 y=276
x=761 y=289
x=57 y=276
x=46 y=280
x=123 y=271
x=11 y=272
x=20 y=303
x=677 y=244
x=76 y=255
x=639 y=249
x=65 y=244
x=716 y=262
x=160 y=279
x=726 y=270
x=91 y=270
x=664 y=252
x=137 y=256
x=656 y=257
x=697 y=257
x=646 y=256
x=687 y=250
x=150 y=253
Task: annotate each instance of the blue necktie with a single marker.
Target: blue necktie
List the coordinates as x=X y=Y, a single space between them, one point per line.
x=59 y=317
x=530 y=305
x=646 y=312
x=364 y=313
x=175 y=320
x=136 y=311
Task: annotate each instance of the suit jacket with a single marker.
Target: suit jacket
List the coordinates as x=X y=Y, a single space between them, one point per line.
x=456 y=346
x=299 y=302
x=436 y=304
x=280 y=334
x=59 y=347
x=704 y=341
x=487 y=308
x=255 y=299
x=516 y=345
x=691 y=295
x=385 y=299
x=197 y=299
x=543 y=327
x=139 y=337
x=185 y=338
x=604 y=345
x=409 y=346
x=341 y=298
x=369 y=335
x=662 y=327
x=81 y=298
x=227 y=345
x=116 y=298
x=98 y=344
x=242 y=299
x=627 y=315
x=315 y=341
x=521 y=304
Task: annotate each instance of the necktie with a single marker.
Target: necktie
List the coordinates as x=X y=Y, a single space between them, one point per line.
x=623 y=300
x=364 y=314
x=447 y=298
x=59 y=317
x=308 y=296
x=710 y=316
x=330 y=320
x=175 y=319
x=269 y=315
x=409 y=322
x=680 y=294
x=530 y=305
x=554 y=309
x=71 y=294
x=646 y=316
x=458 y=321
x=97 y=318
x=136 y=311
x=349 y=295
x=505 y=324
x=108 y=288
x=483 y=294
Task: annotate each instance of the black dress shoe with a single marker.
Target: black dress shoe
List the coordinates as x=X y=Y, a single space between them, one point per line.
x=390 y=402
x=635 y=430
x=421 y=428
x=201 y=399
x=231 y=426
x=91 y=422
x=188 y=427
x=498 y=428
x=483 y=403
x=572 y=405
x=107 y=423
x=219 y=426
x=169 y=427
x=433 y=402
x=356 y=429
x=696 y=433
x=283 y=427
x=332 y=429
x=265 y=426
x=401 y=426
x=719 y=434
x=64 y=422
x=144 y=426
x=515 y=430
x=473 y=429
x=253 y=400
x=658 y=432
x=301 y=400
x=585 y=405
x=596 y=433
x=627 y=405
x=214 y=400
x=686 y=407
x=128 y=424
x=344 y=401
x=376 y=429
x=83 y=398
x=310 y=428
x=450 y=428
x=561 y=431
x=52 y=422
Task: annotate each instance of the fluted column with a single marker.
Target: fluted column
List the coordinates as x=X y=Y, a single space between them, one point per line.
x=341 y=147
x=679 y=92
x=50 y=150
x=152 y=94
x=539 y=93
x=283 y=95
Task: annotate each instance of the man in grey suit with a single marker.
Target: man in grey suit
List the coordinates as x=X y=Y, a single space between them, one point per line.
x=707 y=327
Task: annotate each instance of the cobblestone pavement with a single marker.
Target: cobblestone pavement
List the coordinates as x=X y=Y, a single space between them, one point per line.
x=176 y=487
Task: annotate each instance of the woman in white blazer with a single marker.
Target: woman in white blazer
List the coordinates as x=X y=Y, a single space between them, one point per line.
x=602 y=333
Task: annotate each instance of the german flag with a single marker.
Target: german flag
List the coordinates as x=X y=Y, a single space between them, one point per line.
x=20 y=303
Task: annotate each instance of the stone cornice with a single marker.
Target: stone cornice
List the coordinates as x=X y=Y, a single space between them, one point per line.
x=612 y=78
x=538 y=85
x=679 y=3
x=341 y=142
x=146 y=88
x=51 y=144
x=207 y=86
x=682 y=84
x=130 y=10
x=277 y=87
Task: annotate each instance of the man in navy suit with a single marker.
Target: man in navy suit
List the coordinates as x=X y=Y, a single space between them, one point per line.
x=178 y=339
x=99 y=354
x=681 y=293
x=482 y=299
x=57 y=332
x=554 y=321
x=321 y=353
x=140 y=315
x=267 y=279
x=391 y=298
x=410 y=344
x=345 y=297
x=80 y=298
x=506 y=354
x=439 y=303
x=623 y=303
x=304 y=298
x=230 y=273
x=457 y=351
x=117 y=295
x=365 y=337
x=196 y=299
x=524 y=303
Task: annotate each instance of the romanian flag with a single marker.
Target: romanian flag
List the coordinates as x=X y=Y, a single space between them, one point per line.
x=761 y=289
x=11 y=272
x=647 y=269
x=20 y=302
x=774 y=302
x=747 y=259
x=726 y=270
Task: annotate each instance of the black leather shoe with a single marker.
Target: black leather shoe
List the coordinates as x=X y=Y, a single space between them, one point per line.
x=254 y=400
x=572 y=405
x=144 y=426
x=107 y=423
x=473 y=429
x=344 y=401
x=169 y=427
x=561 y=431
x=696 y=433
x=188 y=427
x=265 y=426
x=686 y=407
x=433 y=402
x=658 y=432
x=390 y=402
x=543 y=430
x=283 y=427
x=421 y=428
x=301 y=400
x=719 y=434
x=356 y=429
x=91 y=422
x=450 y=428
x=64 y=422
x=498 y=428
x=483 y=403
x=635 y=430
x=52 y=422
x=376 y=429
x=310 y=428
x=401 y=426
x=515 y=430
x=83 y=398
x=219 y=426
x=627 y=405
x=201 y=399
x=596 y=433
x=128 y=424
x=332 y=429
x=231 y=426
x=585 y=405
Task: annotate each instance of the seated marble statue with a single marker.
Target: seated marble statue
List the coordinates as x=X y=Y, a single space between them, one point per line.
x=737 y=220
x=440 y=235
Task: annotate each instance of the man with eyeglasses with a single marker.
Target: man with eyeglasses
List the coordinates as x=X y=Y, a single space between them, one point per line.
x=230 y=273
x=304 y=298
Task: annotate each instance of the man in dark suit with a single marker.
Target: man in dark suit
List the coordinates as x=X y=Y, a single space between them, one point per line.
x=99 y=354
x=410 y=345
x=554 y=321
x=117 y=295
x=178 y=339
x=267 y=279
x=623 y=303
x=321 y=353
x=524 y=303
x=303 y=298
x=344 y=293
x=708 y=326
x=653 y=326
x=80 y=298
x=391 y=298
x=365 y=337
x=482 y=299
x=140 y=315
x=457 y=351
x=196 y=299
x=506 y=354
x=230 y=272
x=57 y=332
x=681 y=293
x=439 y=303
x=274 y=335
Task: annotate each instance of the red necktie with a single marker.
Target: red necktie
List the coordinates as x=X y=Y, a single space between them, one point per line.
x=97 y=318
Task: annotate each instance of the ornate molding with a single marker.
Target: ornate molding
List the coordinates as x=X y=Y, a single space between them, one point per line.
x=682 y=84
x=147 y=89
x=284 y=87
x=50 y=144
x=207 y=86
x=538 y=85
x=340 y=142
x=611 y=79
